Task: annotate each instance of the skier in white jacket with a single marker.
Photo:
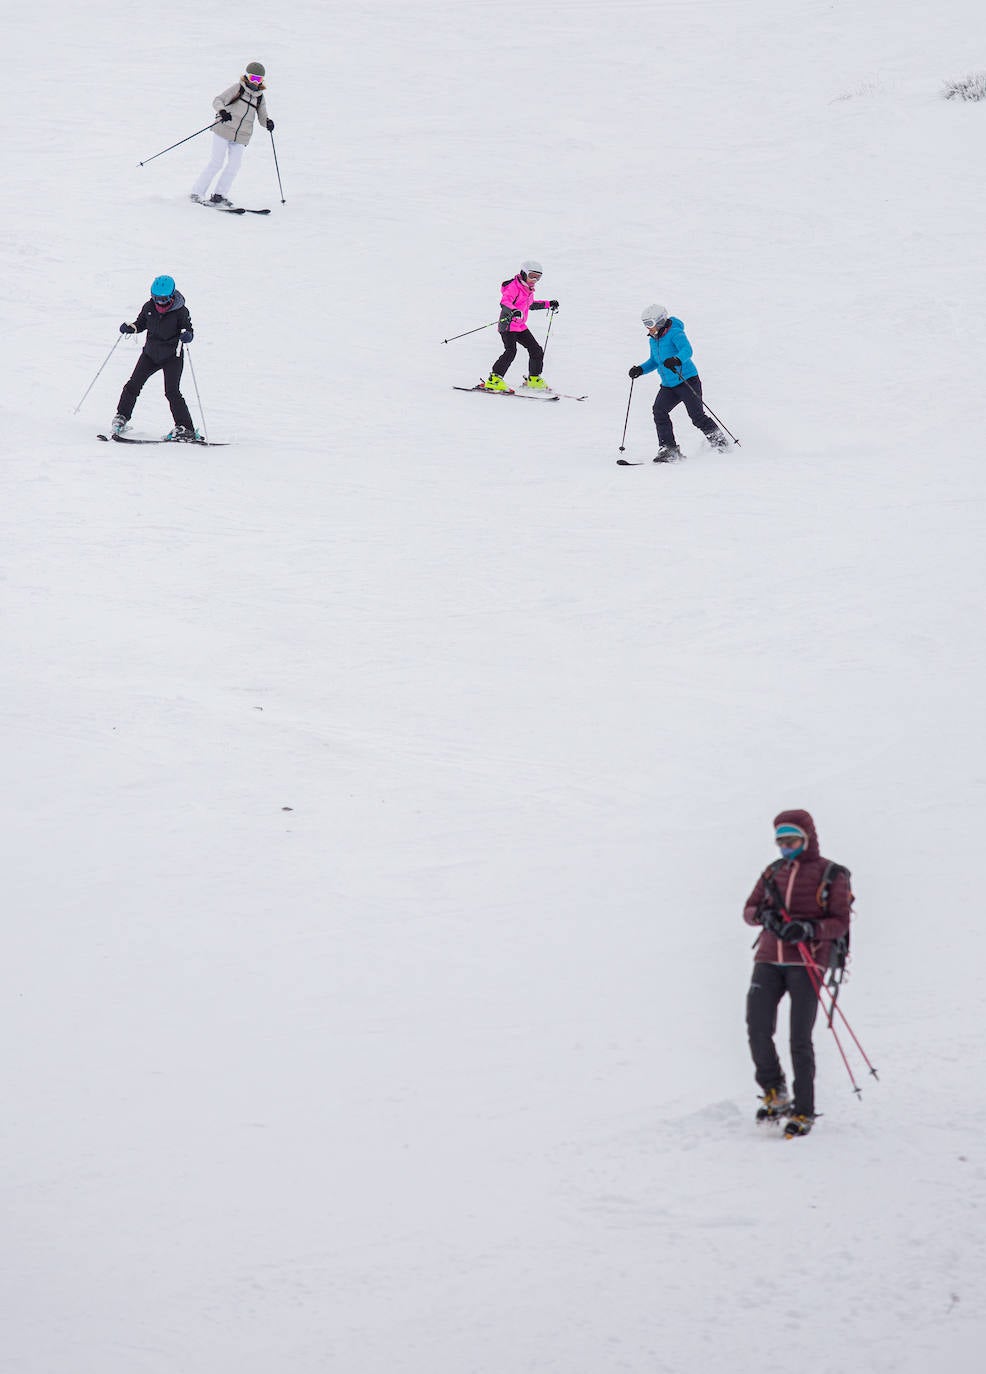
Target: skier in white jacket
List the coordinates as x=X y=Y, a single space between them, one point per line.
x=239 y=107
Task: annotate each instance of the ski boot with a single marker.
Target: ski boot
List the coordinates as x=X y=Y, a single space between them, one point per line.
x=798 y=1125
x=536 y=384
x=182 y=435
x=717 y=439
x=668 y=453
x=495 y=383
x=217 y=199
x=120 y=424
x=776 y=1103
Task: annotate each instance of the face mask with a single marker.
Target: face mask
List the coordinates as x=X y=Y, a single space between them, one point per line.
x=788 y=852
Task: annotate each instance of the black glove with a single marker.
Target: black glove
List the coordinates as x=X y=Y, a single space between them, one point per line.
x=797 y=931
x=771 y=920
x=225 y=116
x=186 y=336
x=270 y=126
x=673 y=363
x=552 y=305
x=128 y=329
x=636 y=371
x=516 y=314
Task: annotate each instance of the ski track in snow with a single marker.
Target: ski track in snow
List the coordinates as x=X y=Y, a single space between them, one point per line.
x=382 y=791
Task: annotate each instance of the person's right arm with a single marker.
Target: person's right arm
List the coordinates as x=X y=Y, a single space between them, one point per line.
x=227 y=98
x=751 y=910
x=508 y=304
x=139 y=324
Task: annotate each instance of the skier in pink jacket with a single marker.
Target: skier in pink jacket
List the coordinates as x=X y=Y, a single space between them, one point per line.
x=516 y=299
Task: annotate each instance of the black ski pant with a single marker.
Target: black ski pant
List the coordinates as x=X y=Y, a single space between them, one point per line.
x=767 y=987
x=145 y=369
x=510 y=342
x=669 y=396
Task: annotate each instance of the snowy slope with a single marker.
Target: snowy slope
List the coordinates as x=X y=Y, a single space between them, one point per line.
x=383 y=790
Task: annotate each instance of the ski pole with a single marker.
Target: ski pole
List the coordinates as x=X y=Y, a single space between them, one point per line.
x=205 y=429
x=93 y=382
x=812 y=971
x=276 y=167
x=547 y=336
x=677 y=371
x=180 y=142
x=834 y=1007
x=627 y=420
x=470 y=331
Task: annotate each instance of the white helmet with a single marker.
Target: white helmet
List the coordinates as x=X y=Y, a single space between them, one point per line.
x=654 y=315
x=531 y=266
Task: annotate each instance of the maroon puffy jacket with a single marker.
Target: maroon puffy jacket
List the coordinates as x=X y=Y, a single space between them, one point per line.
x=800 y=884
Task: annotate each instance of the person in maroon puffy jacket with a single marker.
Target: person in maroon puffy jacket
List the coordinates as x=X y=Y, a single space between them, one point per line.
x=799 y=919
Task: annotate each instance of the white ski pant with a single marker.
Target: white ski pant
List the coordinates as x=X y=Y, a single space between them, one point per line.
x=222 y=152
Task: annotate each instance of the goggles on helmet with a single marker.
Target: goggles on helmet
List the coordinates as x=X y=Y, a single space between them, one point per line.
x=162 y=300
x=254 y=80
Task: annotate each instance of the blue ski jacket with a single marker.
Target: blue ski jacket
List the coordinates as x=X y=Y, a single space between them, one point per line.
x=673 y=344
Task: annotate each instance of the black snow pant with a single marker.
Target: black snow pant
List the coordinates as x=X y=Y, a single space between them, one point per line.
x=767 y=987
x=145 y=369
x=669 y=396
x=510 y=342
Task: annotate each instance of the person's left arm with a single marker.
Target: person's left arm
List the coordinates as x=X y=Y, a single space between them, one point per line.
x=676 y=342
x=835 y=924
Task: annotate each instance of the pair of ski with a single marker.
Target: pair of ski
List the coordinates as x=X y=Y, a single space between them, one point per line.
x=677 y=457
x=536 y=394
x=195 y=443
x=629 y=463
x=231 y=209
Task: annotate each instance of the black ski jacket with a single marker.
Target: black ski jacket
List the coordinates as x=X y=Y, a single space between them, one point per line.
x=163 y=330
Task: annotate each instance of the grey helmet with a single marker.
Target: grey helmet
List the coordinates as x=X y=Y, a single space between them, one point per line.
x=654 y=315
x=531 y=265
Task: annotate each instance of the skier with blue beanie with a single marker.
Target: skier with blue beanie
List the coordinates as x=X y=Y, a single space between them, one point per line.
x=671 y=358
x=168 y=325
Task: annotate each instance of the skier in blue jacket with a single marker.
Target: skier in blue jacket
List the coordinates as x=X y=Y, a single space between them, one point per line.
x=671 y=357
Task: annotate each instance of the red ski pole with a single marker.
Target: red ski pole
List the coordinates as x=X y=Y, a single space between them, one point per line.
x=811 y=968
x=815 y=974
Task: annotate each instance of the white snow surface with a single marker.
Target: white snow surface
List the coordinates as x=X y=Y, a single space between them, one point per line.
x=381 y=792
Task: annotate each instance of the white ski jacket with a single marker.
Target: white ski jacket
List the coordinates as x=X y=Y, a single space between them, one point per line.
x=246 y=105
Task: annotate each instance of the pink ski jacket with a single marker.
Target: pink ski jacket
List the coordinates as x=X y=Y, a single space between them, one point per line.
x=517 y=295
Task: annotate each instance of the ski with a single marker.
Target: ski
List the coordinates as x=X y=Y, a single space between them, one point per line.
x=550 y=391
x=520 y=395
x=232 y=209
x=195 y=443
x=666 y=462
